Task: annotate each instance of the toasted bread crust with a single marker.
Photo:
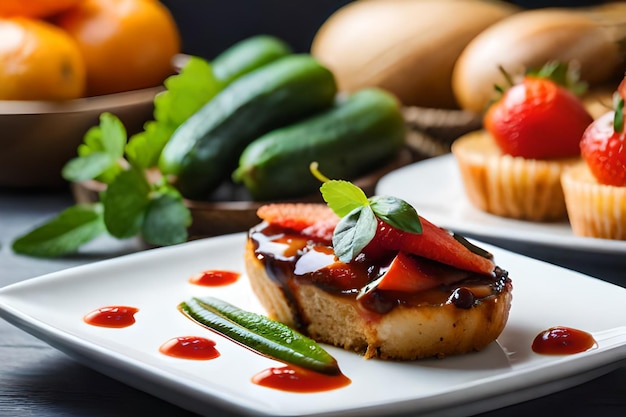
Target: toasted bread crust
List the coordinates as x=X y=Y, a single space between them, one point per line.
x=404 y=333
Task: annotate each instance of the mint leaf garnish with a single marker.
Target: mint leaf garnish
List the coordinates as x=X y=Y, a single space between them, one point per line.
x=396 y=212
x=64 y=234
x=144 y=148
x=88 y=167
x=359 y=215
x=166 y=219
x=354 y=232
x=343 y=196
x=100 y=153
x=125 y=202
x=186 y=92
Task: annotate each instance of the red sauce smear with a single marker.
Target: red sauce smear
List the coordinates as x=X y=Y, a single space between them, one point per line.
x=562 y=341
x=190 y=347
x=112 y=316
x=295 y=379
x=214 y=278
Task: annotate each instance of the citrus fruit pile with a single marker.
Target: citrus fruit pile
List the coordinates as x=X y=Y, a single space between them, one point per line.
x=66 y=49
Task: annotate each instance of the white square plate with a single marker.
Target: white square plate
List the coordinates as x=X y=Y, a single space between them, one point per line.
x=51 y=307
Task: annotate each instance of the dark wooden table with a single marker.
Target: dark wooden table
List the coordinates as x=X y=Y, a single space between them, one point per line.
x=37 y=380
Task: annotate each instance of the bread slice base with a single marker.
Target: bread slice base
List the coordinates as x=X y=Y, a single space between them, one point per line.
x=404 y=333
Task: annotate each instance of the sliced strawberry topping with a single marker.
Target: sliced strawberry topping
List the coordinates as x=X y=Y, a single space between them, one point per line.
x=434 y=243
x=409 y=273
x=317 y=221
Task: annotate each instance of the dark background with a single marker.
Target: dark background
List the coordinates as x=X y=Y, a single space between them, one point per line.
x=210 y=26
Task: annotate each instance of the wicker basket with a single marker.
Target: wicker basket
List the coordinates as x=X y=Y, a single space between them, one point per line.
x=432 y=131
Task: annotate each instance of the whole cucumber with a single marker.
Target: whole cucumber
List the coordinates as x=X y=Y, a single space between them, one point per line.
x=359 y=133
x=204 y=150
x=248 y=55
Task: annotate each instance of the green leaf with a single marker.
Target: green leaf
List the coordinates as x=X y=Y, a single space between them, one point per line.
x=562 y=74
x=125 y=203
x=113 y=134
x=185 y=94
x=64 y=234
x=354 y=232
x=98 y=155
x=359 y=215
x=396 y=212
x=87 y=167
x=618 y=117
x=166 y=220
x=343 y=196
x=144 y=148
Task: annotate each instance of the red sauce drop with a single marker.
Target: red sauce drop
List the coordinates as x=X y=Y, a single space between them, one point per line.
x=562 y=341
x=112 y=316
x=190 y=347
x=214 y=278
x=295 y=379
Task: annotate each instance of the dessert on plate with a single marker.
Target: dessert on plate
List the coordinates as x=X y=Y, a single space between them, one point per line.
x=513 y=167
x=595 y=189
x=403 y=292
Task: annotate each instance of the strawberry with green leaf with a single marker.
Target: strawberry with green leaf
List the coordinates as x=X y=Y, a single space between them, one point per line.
x=384 y=229
x=540 y=117
x=603 y=145
x=391 y=224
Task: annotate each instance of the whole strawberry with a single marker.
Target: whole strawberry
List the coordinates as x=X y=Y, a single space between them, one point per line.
x=603 y=147
x=540 y=117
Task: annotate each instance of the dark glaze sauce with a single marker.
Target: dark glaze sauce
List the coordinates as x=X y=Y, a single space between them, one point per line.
x=112 y=316
x=291 y=261
x=190 y=347
x=214 y=278
x=562 y=341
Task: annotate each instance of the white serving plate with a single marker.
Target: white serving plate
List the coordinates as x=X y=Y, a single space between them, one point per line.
x=434 y=188
x=51 y=307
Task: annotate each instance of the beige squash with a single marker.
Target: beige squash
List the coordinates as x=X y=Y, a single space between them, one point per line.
x=408 y=47
x=586 y=38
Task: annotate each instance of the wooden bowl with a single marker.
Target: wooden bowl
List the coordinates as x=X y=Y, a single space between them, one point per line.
x=237 y=214
x=38 y=137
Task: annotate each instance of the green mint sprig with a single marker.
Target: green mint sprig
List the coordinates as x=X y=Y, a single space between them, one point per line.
x=185 y=94
x=138 y=200
x=359 y=215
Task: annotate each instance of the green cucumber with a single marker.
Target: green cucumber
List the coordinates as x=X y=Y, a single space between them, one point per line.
x=359 y=133
x=260 y=334
x=204 y=150
x=248 y=55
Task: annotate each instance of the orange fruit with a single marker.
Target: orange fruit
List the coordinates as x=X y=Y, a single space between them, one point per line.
x=34 y=8
x=126 y=44
x=38 y=61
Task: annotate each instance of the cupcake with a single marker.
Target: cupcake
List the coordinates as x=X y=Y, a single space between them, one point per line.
x=510 y=186
x=595 y=189
x=531 y=134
